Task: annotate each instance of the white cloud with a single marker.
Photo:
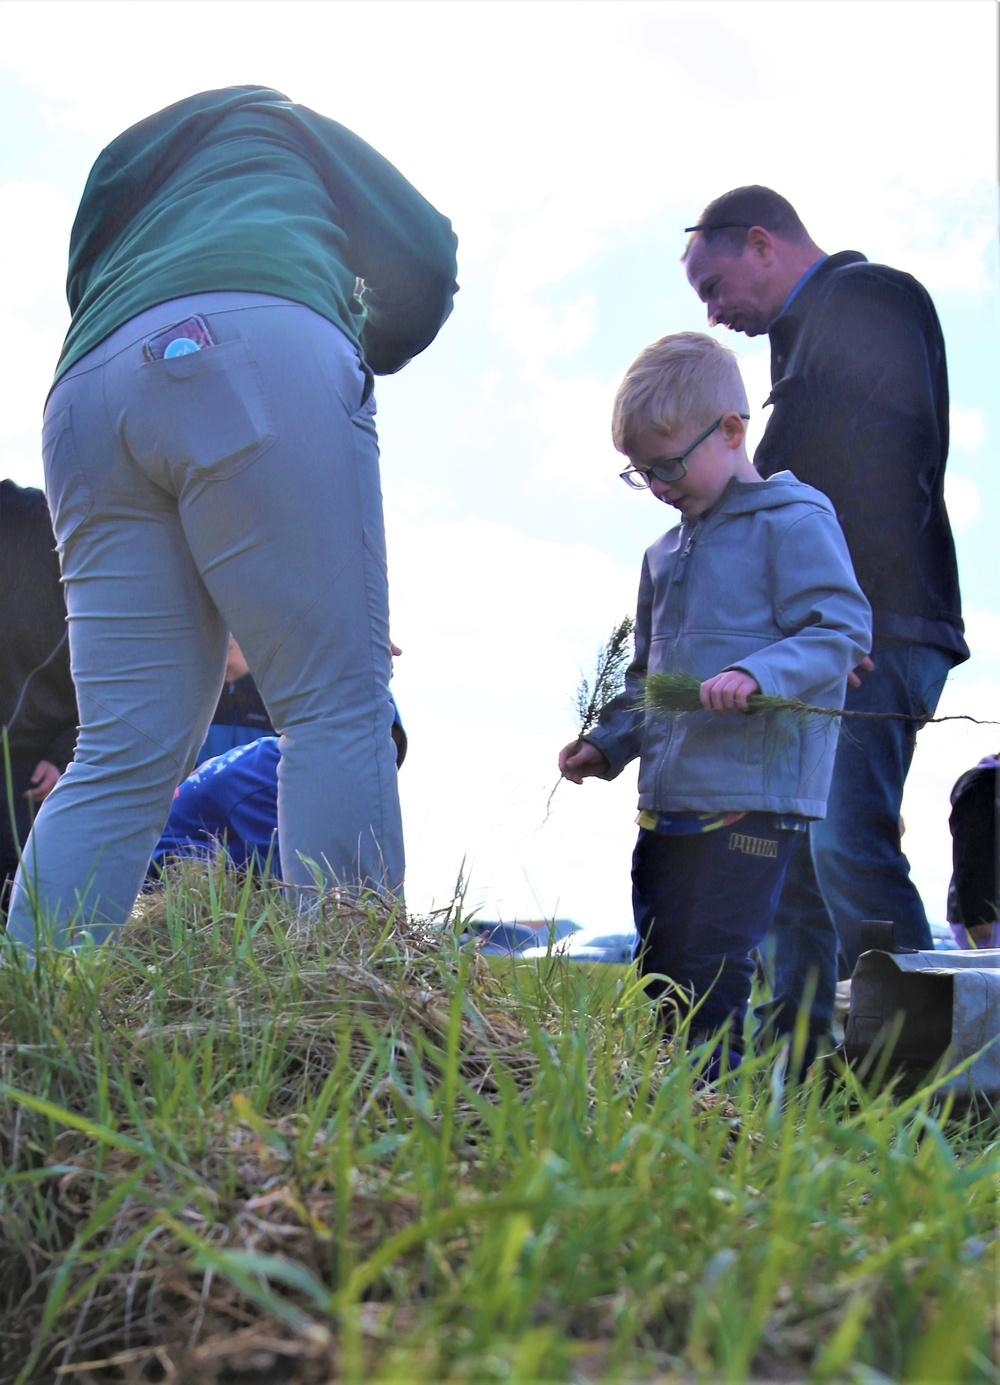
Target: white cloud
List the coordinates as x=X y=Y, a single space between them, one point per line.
x=35 y=221
x=22 y=467
x=538 y=332
x=574 y=418
x=28 y=355
x=982 y=633
x=967 y=428
x=497 y=628
x=959 y=260
x=411 y=499
x=961 y=496
x=527 y=609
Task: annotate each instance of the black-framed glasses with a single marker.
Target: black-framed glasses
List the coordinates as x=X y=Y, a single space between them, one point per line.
x=669 y=468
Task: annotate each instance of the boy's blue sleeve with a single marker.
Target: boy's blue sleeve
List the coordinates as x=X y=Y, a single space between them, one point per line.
x=232 y=798
x=819 y=604
x=619 y=733
x=252 y=804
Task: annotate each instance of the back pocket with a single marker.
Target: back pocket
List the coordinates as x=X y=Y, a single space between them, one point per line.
x=199 y=418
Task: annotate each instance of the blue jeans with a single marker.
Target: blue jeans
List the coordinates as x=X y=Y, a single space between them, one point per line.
x=856 y=869
x=236 y=488
x=702 y=903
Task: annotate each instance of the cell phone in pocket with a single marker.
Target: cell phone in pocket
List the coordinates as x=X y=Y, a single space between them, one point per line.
x=193 y=329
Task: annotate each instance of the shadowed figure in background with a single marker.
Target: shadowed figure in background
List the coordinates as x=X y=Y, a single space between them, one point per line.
x=37 y=702
x=973 y=898
x=240 y=267
x=240 y=716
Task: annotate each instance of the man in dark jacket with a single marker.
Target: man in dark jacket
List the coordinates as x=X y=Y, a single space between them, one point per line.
x=860 y=410
x=37 y=700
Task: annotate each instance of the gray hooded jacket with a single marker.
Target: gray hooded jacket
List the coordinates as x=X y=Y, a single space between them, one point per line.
x=762 y=583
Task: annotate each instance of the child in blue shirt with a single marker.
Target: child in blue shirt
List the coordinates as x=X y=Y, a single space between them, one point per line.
x=753 y=591
x=232 y=800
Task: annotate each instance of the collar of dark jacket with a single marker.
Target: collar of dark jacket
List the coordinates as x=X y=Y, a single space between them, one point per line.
x=785 y=327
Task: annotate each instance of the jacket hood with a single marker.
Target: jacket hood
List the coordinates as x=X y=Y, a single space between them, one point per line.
x=747 y=497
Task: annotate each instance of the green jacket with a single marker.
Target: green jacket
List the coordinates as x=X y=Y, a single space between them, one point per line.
x=241 y=189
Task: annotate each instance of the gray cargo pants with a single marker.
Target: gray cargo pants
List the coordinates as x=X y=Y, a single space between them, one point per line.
x=236 y=488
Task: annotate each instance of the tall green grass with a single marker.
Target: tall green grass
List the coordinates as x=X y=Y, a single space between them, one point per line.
x=236 y=1147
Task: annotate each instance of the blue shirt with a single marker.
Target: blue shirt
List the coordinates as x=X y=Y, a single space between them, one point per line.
x=231 y=799
x=801 y=284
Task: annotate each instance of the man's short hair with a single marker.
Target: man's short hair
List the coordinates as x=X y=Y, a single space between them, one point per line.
x=687 y=379
x=724 y=223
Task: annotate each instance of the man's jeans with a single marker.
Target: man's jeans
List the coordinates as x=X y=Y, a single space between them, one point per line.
x=856 y=869
x=235 y=488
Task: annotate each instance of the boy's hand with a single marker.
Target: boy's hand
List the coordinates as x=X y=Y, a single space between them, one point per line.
x=728 y=692
x=578 y=762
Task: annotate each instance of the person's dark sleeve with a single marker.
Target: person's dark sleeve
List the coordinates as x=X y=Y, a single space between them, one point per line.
x=250 y=796
x=50 y=704
x=401 y=247
x=974 y=846
x=37 y=696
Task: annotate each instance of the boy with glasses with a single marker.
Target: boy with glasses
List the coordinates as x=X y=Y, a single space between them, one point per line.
x=752 y=592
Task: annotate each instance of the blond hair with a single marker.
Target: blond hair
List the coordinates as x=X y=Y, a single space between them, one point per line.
x=684 y=380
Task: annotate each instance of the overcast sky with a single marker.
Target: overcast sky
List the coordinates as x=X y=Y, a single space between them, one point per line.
x=569 y=143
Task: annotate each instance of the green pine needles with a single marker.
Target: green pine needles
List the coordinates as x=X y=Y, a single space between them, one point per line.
x=594 y=695
x=609 y=676
x=673 y=693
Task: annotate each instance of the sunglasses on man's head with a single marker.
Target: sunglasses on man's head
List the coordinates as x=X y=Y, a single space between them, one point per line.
x=720 y=226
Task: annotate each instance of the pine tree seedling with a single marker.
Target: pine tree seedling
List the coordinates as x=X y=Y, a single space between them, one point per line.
x=594 y=695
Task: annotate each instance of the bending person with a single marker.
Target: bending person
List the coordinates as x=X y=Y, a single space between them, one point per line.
x=211 y=464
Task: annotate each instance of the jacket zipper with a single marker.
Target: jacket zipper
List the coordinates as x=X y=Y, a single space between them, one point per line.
x=677 y=580
x=682 y=561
